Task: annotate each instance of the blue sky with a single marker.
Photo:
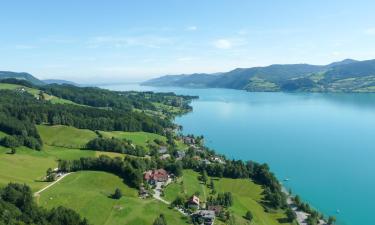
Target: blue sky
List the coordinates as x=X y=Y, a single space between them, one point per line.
x=111 y=41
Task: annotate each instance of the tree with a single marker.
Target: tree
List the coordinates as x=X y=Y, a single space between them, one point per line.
x=179 y=201
x=160 y=220
x=12 y=151
x=51 y=176
x=331 y=220
x=204 y=177
x=117 y=194
x=290 y=214
x=249 y=216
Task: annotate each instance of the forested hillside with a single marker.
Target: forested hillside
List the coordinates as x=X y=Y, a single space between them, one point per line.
x=344 y=76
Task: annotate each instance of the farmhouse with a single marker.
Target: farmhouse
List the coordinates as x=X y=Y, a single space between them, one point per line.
x=194 y=202
x=153 y=176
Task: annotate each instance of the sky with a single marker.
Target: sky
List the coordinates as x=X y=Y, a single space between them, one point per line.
x=92 y=41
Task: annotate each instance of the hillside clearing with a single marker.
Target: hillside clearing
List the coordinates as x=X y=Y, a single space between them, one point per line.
x=88 y=193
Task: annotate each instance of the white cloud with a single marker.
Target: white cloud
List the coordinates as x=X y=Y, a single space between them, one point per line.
x=192 y=28
x=223 y=44
x=229 y=43
x=370 y=31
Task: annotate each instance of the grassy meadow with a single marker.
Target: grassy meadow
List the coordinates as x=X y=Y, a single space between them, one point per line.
x=88 y=193
x=138 y=138
x=65 y=136
x=246 y=196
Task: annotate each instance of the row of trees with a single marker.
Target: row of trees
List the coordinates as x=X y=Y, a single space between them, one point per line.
x=116 y=145
x=17 y=207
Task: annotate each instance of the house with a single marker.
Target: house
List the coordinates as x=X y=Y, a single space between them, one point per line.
x=194 y=202
x=188 y=140
x=163 y=150
x=165 y=156
x=153 y=176
x=206 y=161
x=180 y=154
x=207 y=216
x=216 y=208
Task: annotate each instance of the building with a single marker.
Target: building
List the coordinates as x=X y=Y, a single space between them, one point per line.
x=153 y=176
x=194 y=202
x=207 y=216
x=165 y=156
x=163 y=150
x=188 y=140
x=181 y=154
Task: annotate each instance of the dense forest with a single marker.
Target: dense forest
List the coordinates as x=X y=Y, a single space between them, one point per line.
x=96 y=109
x=124 y=100
x=18 y=207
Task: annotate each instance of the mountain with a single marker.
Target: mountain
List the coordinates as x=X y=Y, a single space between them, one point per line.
x=21 y=76
x=344 y=76
x=57 y=81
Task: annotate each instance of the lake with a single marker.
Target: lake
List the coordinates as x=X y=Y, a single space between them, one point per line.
x=324 y=143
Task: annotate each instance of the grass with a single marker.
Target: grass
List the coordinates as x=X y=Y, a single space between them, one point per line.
x=35 y=92
x=246 y=197
x=138 y=138
x=87 y=192
x=26 y=166
x=187 y=185
x=2 y=134
x=29 y=166
x=65 y=136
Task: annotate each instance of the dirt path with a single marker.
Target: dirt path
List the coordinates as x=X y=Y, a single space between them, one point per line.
x=37 y=194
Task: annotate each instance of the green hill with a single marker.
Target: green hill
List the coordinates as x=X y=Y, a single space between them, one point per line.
x=88 y=193
x=22 y=76
x=65 y=136
x=344 y=76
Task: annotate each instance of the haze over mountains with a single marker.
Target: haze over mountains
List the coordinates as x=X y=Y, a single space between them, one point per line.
x=30 y=78
x=344 y=76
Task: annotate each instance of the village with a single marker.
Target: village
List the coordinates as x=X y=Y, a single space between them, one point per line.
x=155 y=181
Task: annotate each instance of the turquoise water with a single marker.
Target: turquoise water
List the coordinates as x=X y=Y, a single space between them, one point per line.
x=324 y=143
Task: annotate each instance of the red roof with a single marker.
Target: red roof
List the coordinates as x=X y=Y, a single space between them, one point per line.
x=157 y=175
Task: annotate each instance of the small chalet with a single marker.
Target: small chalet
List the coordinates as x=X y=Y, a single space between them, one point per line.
x=165 y=156
x=153 y=176
x=163 y=150
x=189 y=140
x=194 y=202
x=207 y=216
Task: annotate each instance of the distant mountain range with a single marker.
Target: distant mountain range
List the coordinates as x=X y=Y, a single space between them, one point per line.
x=33 y=80
x=56 y=81
x=344 y=76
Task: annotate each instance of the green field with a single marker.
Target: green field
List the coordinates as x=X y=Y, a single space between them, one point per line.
x=64 y=136
x=29 y=166
x=35 y=92
x=187 y=185
x=87 y=193
x=138 y=138
x=246 y=196
x=2 y=134
x=26 y=166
